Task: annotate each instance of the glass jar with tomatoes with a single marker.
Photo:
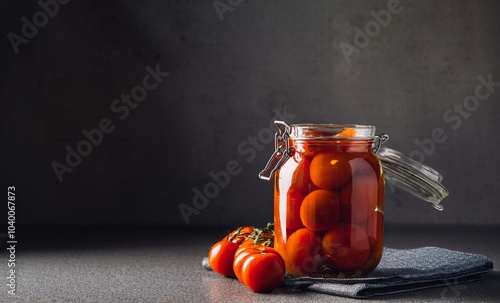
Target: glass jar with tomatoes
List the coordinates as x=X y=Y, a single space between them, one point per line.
x=328 y=199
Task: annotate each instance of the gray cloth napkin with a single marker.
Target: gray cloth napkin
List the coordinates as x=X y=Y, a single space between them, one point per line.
x=401 y=271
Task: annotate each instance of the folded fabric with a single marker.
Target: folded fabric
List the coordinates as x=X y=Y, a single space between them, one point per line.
x=401 y=271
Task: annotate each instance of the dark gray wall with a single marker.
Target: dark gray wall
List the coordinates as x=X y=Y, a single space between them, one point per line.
x=226 y=78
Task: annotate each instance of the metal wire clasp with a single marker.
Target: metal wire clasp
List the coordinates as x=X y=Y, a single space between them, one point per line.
x=282 y=151
x=379 y=140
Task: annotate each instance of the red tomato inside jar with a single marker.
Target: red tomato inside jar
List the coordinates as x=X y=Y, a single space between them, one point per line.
x=328 y=199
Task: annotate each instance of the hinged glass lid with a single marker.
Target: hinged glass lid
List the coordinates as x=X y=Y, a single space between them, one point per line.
x=412 y=176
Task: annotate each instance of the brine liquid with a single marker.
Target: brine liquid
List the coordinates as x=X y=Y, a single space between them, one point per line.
x=328 y=209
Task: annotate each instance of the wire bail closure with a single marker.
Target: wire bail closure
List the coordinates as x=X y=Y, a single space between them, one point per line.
x=282 y=151
x=379 y=140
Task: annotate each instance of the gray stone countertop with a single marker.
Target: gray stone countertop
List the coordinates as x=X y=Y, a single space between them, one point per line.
x=164 y=265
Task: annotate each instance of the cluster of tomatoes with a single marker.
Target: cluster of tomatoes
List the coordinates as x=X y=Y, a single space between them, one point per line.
x=248 y=253
x=330 y=214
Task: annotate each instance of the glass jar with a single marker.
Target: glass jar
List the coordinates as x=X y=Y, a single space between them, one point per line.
x=329 y=198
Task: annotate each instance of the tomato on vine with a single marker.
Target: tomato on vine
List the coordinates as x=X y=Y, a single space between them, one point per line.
x=239 y=235
x=260 y=236
x=221 y=256
x=260 y=268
